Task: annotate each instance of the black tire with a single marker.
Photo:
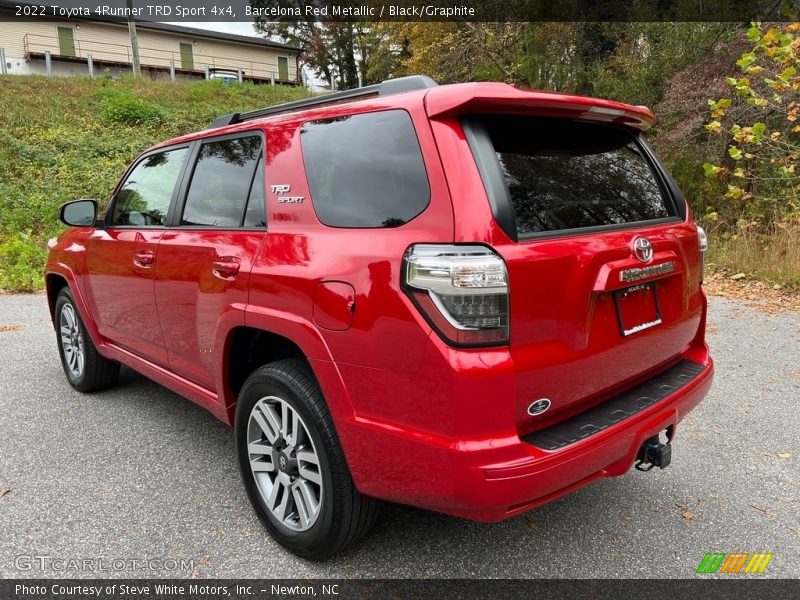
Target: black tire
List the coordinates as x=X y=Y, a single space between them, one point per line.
x=345 y=516
x=97 y=373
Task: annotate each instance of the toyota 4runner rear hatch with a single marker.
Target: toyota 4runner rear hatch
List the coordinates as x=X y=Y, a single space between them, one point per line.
x=604 y=268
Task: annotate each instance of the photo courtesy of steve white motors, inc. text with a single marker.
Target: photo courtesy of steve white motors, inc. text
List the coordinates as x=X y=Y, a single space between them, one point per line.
x=170 y=589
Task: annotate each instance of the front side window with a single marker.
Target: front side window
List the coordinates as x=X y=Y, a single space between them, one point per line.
x=221 y=182
x=365 y=170
x=563 y=174
x=144 y=199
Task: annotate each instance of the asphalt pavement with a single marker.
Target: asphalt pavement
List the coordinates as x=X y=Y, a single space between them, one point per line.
x=139 y=476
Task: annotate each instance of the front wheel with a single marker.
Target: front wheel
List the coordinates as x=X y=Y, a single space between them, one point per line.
x=85 y=368
x=293 y=466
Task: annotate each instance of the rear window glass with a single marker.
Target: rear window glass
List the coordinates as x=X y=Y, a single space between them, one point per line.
x=365 y=170
x=570 y=175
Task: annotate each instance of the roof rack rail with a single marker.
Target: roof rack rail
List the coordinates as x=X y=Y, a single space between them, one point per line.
x=385 y=88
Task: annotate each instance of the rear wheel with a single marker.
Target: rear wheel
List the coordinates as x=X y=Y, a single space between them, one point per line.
x=85 y=368
x=293 y=465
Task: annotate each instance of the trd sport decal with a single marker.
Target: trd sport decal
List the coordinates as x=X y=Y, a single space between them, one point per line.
x=283 y=188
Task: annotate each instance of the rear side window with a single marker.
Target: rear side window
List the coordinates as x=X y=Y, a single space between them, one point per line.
x=365 y=170
x=221 y=182
x=563 y=174
x=256 y=215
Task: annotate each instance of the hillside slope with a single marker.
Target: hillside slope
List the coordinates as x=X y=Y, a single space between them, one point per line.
x=66 y=138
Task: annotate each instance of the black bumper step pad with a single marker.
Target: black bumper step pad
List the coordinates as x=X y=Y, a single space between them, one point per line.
x=616 y=409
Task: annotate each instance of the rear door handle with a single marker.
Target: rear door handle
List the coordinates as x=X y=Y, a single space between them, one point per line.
x=144 y=258
x=226 y=267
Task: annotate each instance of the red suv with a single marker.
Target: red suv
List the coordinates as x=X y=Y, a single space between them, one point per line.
x=469 y=298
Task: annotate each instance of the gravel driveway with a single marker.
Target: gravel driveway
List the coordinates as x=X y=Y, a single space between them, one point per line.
x=138 y=473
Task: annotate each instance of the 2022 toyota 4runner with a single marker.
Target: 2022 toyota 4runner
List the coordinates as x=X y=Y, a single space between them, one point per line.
x=468 y=298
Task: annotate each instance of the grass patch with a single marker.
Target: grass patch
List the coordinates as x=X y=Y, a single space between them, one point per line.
x=72 y=137
x=772 y=256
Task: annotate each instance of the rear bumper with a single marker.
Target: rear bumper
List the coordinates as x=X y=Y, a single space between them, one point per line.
x=609 y=452
x=493 y=479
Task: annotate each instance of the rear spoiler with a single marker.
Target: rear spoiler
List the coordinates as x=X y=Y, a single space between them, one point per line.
x=471 y=98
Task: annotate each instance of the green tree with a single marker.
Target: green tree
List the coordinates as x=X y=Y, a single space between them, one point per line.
x=760 y=123
x=340 y=53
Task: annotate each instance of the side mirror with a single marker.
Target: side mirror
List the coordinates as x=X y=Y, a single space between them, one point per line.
x=79 y=213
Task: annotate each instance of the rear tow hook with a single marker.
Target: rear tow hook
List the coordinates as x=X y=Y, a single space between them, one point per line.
x=653 y=454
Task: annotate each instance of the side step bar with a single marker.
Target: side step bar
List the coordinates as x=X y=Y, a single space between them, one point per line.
x=616 y=409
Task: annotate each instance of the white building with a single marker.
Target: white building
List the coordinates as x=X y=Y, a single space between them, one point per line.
x=72 y=47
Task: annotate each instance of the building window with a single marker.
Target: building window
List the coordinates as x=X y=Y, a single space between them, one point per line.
x=66 y=41
x=283 y=68
x=187 y=58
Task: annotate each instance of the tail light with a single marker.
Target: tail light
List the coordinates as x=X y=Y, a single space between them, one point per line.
x=462 y=291
x=702 y=240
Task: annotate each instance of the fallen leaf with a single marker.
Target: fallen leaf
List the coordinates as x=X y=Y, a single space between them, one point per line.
x=785 y=499
x=10 y=328
x=530 y=524
x=784 y=455
x=754 y=293
x=4 y=493
x=687 y=514
x=766 y=511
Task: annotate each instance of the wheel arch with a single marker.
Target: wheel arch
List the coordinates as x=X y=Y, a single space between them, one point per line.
x=252 y=345
x=54 y=283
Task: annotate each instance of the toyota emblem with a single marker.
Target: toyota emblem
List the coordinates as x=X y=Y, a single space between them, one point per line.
x=642 y=249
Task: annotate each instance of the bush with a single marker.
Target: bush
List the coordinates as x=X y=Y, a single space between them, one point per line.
x=122 y=106
x=759 y=123
x=22 y=259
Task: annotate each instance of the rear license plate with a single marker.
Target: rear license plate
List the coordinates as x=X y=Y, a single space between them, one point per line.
x=637 y=308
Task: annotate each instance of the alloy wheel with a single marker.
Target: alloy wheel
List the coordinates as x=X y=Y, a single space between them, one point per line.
x=72 y=341
x=284 y=463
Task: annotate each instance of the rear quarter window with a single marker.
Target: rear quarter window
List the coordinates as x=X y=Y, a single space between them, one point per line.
x=563 y=175
x=365 y=170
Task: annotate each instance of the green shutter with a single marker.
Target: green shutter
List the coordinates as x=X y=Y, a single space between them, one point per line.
x=66 y=41
x=187 y=58
x=283 y=68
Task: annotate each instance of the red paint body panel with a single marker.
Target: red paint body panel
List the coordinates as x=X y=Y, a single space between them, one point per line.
x=421 y=422
x=334 y=305
x=120 y=290
x=192 y=295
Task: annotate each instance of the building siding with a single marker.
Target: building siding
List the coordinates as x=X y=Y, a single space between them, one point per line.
x=110 y=42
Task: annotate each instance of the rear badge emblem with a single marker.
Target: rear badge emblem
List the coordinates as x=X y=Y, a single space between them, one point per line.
x=538 y=407
x=643 y=249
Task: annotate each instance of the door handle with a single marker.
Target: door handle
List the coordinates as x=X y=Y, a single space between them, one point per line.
x=226 y=267
x=144 y=258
